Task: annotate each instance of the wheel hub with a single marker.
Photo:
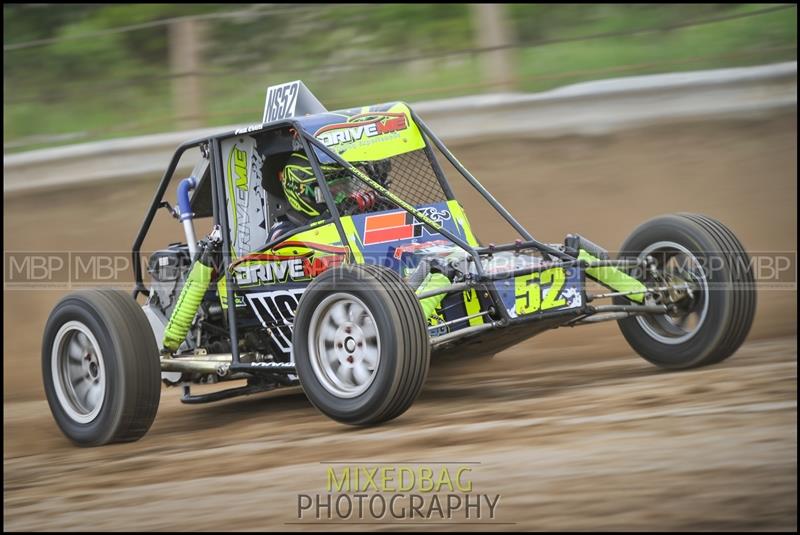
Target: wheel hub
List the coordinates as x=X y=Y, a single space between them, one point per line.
x=349 y=337
x=678 y=268
x=78 y=372
x=344 y=345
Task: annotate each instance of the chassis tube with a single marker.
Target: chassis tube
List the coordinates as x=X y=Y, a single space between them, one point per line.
x=437 y=169
x=634 y=309
x=413 y=211
x=151 y=212
x=399 y=202
x=571 y=263
x=457 y=287
x=323 y=185
x=437 y=341
x=485 y=193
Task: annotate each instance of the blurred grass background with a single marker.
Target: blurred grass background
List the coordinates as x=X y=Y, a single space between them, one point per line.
x=75 y=73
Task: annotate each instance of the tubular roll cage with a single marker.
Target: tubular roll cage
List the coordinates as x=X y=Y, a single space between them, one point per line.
x=211 y=147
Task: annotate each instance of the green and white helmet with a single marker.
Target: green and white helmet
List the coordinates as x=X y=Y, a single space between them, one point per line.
x=300 y=185
x=350 y=195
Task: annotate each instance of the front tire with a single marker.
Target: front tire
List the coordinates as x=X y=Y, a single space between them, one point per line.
x=101 y=369
x=709 y=327
x=361 y=345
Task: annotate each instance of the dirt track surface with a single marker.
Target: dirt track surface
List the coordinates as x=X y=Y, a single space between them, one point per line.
x=568 y=441
x=571 y=428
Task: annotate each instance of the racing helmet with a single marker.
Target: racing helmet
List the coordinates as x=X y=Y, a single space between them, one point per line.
x=300 y=184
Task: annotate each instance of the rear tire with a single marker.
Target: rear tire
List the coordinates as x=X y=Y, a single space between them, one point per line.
x=725 y=307
x=101 y=369
x=361 y=345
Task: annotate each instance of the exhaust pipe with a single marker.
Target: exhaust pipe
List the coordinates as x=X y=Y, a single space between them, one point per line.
x=204 y=364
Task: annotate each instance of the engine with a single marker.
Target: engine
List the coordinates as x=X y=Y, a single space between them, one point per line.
x=168 y=269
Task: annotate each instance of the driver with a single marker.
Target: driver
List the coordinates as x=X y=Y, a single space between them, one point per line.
x=300 y=188
x=300 y=185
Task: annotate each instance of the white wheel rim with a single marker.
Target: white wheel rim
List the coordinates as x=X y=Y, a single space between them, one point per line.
x=78 y=372
x=344 y=345
x=664 y=328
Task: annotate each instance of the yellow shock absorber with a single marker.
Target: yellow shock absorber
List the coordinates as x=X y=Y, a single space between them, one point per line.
x=189 y=301
x=433 y=281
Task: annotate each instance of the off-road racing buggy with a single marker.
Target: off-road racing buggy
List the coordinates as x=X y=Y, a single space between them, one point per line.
x=337 y=258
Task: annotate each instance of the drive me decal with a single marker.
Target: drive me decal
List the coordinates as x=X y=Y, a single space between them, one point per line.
x=245 y=194
x=305 y=261
x=365 y=134
x=362 y=127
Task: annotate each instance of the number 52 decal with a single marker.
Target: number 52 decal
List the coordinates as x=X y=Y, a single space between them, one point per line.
x=540 y=291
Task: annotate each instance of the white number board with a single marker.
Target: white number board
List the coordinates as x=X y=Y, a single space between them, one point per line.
x=281 y=101
x=292 y=99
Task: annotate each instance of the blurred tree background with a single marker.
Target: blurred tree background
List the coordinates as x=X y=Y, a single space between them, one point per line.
x=75 y=73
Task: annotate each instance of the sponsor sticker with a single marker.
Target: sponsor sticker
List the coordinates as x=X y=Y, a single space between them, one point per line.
x=362 y=127
x=382 y=228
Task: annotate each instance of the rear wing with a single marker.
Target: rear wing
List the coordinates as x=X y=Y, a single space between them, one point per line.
x=368 y=133
x=292 y=99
